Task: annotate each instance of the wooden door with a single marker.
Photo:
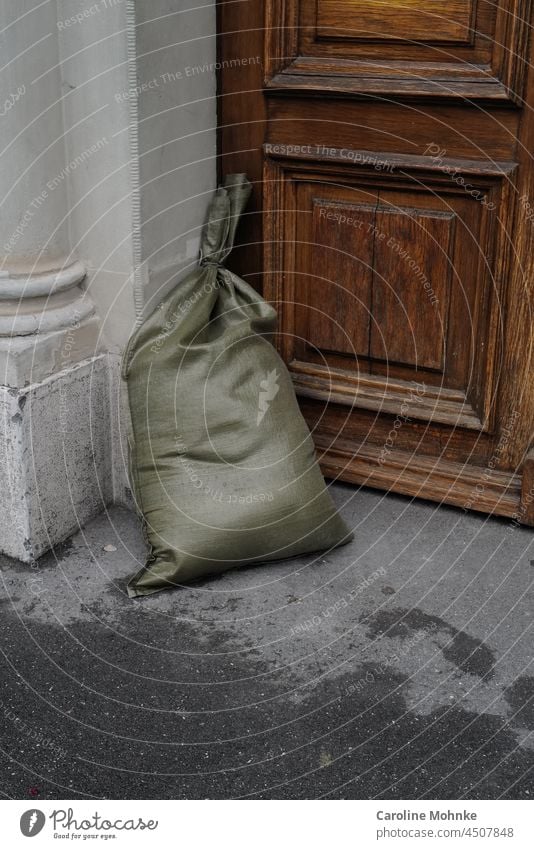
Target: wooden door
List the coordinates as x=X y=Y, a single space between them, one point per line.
x=390 y=143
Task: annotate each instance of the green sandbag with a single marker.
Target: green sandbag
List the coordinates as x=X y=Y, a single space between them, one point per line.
x=223 y=466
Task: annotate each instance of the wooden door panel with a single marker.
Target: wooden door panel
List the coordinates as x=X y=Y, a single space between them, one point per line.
x=392 y=276
x=338 y=293
x=411 y=282
x=410 y=20
x=381 y=132
x=417 y=47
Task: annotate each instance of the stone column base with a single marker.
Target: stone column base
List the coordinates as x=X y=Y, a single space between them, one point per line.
x=56 y=469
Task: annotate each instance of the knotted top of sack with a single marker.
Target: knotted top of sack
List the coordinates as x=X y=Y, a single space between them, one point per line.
x=225 y=210
x=217 y=241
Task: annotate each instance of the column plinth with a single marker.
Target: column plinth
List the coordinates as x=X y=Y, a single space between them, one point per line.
x=55 y=462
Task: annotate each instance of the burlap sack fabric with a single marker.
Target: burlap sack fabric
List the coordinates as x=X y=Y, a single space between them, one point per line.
x=223 y=467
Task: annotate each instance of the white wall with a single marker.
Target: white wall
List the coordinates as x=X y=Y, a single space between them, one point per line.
x=109 y=114
x=176 y=100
